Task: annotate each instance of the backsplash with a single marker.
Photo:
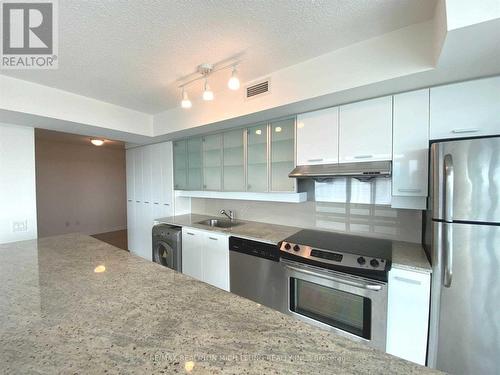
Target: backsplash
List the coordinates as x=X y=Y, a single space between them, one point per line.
x=354 y=218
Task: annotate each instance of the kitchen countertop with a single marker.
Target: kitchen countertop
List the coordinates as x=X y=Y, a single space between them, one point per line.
x=265 y=232
x=57 y=315
x=410 y=256
x=405 y=255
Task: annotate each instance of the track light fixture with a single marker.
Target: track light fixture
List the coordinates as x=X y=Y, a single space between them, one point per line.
x=204 y=71
x=185 y=103
x=234 y=82
x=208 y=94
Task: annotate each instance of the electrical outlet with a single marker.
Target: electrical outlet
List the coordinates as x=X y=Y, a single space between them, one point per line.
x=20 y=226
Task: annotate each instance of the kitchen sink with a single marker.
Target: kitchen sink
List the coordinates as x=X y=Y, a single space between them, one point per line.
x=219 y=223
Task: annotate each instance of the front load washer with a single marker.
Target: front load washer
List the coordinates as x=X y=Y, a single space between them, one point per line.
x=167 y=246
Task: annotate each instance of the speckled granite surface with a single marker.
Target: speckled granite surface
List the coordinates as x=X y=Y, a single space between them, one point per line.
x=404 y=254
x=58 y=316
x=264 y=232
x=410 y=256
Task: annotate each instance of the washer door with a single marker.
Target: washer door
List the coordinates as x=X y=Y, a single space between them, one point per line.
x=164 y=254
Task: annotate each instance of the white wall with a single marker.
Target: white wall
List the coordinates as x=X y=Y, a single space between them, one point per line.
x=80 y=187
x=17 y=182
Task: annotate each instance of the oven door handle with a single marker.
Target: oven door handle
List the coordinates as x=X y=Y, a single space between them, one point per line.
x=373 y=287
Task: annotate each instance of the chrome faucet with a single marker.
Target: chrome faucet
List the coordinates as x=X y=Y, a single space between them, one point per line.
x=230 y=215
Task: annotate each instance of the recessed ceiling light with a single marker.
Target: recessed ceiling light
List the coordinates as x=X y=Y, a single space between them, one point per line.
x=277 y=129
x=97 y=142
x=258 y=132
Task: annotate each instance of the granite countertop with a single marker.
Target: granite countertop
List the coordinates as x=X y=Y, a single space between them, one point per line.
x=410 y=256
x=57 y=315
x=405 y=255
x=254 y=230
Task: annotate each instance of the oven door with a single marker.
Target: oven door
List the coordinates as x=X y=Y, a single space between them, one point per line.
x=352 y=306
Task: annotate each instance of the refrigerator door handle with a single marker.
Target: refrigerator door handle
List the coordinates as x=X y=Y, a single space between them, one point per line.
x=448 y=218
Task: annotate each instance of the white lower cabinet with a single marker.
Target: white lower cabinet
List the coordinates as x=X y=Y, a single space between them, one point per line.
x=205 y=256
x=408 y=314
x=192 y=246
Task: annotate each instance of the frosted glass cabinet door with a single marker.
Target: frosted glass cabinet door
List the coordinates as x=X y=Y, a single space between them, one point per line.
x=234 y=169
x=257 y=158
x=212 y=162
x=282 y=155
x=195 y=165
x=180 y=165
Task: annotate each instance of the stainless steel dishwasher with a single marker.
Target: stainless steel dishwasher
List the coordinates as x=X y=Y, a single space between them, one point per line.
x=256 y=272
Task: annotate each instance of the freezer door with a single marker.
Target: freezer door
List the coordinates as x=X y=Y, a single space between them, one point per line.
x=476 y=179
x=464 y=335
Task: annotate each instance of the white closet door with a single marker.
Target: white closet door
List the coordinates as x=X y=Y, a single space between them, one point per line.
x=147 y=173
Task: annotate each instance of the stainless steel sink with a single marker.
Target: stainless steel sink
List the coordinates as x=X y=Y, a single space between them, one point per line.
x=219 y=223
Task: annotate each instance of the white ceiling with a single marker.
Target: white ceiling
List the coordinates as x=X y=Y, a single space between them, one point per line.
x=132 y=53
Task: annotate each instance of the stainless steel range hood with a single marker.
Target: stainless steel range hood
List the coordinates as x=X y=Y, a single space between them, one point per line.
x=362 y=171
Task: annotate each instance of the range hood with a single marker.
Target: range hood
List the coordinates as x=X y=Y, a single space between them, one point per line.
x=362 y=171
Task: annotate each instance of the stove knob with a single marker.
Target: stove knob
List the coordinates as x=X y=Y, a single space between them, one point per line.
x=374 y=263
x=296 y=248
x=361 y=260
x=287 y=246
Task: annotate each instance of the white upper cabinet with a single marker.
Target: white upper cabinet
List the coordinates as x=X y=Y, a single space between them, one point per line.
x=318 y=137
x=366 y=131
x=466 y=109
x=410 y=145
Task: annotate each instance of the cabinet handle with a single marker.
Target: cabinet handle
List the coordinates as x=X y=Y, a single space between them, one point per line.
x=191 y=234
x=313 y=160
x=406 y=280
x=470 y=130
x=137 y=201
x=213 y=238
x=409 y=190
x=146 y=202
x=363 y=156
x=166 y=204
x=155 y=203
x=130 y=200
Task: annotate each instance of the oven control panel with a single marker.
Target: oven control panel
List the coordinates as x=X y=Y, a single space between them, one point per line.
x=333 y=258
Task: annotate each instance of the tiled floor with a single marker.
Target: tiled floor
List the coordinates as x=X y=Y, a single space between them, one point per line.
x=117 y=238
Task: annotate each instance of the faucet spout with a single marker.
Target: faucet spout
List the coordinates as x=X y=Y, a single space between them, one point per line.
x=229 y=215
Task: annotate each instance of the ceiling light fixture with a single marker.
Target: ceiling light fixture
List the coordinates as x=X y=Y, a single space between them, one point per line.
x=97 y=142
x=185 y=103
x=234 y=82
x=207 y=93
x=203 y=71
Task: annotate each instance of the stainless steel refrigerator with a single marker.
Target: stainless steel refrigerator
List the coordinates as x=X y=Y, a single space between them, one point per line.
x=463 y=233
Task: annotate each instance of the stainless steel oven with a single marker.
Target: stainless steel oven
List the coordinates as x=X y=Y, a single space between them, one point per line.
x=353 y=306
